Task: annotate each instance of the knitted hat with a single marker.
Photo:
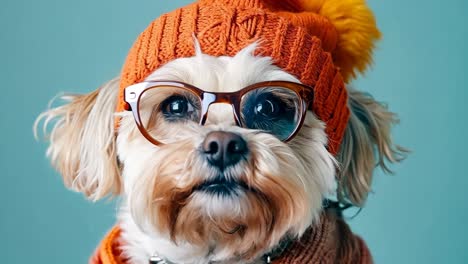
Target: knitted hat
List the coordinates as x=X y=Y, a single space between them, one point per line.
x=324 y=43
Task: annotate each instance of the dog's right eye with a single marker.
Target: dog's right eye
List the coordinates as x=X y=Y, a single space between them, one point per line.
x=177 y=107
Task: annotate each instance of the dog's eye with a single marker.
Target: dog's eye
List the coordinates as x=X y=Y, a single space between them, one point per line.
x=272 y=109
x=268 y=107
x=177 y=107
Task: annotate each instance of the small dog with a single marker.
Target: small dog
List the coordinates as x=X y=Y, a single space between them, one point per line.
x=221 y=146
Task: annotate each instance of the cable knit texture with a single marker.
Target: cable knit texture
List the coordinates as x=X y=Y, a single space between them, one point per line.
x=318 y=41
x=329 y=242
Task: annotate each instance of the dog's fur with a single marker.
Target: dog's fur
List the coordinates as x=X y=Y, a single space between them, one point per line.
x=160 y=212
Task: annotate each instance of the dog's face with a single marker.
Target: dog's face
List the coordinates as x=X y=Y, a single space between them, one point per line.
x=219 y=184
x=224 y=189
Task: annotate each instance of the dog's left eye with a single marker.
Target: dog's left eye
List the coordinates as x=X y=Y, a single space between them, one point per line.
x=272 y=109
x=268 y=107
x=177 y=107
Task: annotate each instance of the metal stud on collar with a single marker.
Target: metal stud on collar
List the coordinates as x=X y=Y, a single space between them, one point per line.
x=155 y=259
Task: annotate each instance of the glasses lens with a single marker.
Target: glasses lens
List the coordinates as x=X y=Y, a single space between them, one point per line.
x=276 y=110
x=165 y=109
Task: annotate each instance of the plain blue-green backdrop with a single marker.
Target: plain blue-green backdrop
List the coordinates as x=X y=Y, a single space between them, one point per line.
x=416 y=216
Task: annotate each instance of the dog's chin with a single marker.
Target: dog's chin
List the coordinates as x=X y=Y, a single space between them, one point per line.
x=238 y=218
x=240 y=221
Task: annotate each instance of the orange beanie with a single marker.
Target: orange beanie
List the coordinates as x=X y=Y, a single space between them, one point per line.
x=324 y=43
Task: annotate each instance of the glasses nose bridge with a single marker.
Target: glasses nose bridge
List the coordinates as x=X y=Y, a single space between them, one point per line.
x=210 y=98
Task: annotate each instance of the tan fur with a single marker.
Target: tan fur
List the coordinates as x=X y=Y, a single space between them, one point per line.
x=82 y=143
x=367 y=144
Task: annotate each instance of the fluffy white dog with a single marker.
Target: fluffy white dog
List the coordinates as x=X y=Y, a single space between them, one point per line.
x=220 y=159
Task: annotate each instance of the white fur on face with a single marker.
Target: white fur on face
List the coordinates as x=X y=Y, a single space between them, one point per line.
x=290 y=179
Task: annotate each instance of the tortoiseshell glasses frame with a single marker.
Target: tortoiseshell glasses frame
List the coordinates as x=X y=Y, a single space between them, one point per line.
x=133 y=95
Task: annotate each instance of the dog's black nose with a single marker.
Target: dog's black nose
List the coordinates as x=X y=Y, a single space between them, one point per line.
x=224 y=148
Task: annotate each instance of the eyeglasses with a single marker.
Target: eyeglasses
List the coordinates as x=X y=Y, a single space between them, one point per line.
x=275 y=107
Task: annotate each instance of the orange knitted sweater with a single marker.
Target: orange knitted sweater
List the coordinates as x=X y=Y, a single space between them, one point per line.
x=329 y=242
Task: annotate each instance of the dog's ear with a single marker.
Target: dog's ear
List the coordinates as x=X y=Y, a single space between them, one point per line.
x=82 y=141
x=367 y=144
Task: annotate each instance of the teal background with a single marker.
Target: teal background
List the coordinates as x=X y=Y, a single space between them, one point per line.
x=415 y=216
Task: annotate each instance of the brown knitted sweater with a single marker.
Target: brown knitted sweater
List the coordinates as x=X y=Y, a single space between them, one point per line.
x=329 y=242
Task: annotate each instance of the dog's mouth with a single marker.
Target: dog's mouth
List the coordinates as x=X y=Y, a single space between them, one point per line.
x=222 y=186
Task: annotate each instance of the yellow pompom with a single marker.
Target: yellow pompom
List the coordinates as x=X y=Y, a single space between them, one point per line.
x=357 y=32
